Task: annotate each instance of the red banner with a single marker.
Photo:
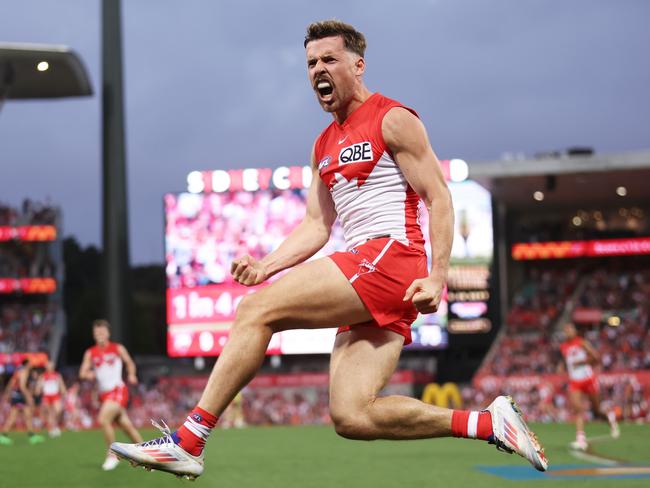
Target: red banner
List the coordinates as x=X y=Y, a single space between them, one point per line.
x=27 y=285
x=583 y=315
x=15 y=358
x=575 y=249
x=28 y=233
x=491 y=382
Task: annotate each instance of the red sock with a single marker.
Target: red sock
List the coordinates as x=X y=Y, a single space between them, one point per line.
x=191 y=436
x=471 y=424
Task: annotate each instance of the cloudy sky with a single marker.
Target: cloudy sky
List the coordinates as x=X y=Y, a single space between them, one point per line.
x=222 y=83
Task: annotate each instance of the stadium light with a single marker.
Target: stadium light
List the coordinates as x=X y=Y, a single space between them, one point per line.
x=458 y=170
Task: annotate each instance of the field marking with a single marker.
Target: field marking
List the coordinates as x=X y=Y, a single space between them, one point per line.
x=600 y=438
x=594 y=458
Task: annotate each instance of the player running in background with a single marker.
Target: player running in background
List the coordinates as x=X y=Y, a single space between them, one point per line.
x=22 y=402
x=52 y=388
x=103 y=363
x=371 y=167
x=579 y=357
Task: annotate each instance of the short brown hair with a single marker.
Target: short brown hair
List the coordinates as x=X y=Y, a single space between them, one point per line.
x=101 y=323
x=353 y=40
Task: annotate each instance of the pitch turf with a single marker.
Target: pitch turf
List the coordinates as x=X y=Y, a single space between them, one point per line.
x=308 y=457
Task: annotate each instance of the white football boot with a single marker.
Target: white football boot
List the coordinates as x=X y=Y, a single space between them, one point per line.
x=579 y=445
x=110 y=463
x=161 y=454
x=511 y=434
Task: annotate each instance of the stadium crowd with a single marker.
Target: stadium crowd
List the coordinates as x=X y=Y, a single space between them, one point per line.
x=611 y=309
x=205 y=233
x=30 y=213
x=25 y=327
x=26 y=260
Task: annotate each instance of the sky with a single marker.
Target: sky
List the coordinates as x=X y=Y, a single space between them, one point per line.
x=215 y=84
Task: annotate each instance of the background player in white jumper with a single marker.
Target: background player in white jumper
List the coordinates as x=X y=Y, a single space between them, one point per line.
x=52 y=388
x=580 y=357
x=370 y=167
x=103 y=363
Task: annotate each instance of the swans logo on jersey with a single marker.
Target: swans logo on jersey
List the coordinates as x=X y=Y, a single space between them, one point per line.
x=324 y=163
x=356 y=153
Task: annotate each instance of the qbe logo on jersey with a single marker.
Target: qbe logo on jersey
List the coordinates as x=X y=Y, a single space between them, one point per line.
x=356 y=153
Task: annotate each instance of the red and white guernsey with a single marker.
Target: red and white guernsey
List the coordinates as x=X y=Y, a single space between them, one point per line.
x=108 y=366
x=51 y=385
x=371 y=196
x=576 y=358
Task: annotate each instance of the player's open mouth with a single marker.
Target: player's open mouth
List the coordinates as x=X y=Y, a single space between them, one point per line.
x=324 y=88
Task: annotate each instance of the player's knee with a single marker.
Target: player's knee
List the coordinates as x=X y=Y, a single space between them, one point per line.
x=351 y=424
x=250 y=313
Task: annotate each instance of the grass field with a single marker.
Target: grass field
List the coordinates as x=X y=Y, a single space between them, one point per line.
x=308 y=457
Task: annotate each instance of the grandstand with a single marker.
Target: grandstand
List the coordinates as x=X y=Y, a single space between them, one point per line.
x=32 y=319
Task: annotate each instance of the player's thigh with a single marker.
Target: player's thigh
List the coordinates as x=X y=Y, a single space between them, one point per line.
x=315 y=294
x=109 y=411
x=362 y=362
x=575 y=400
x=594 y=400
x=123 y=419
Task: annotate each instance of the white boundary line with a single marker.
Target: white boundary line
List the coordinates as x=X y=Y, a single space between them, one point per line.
x=593 y=458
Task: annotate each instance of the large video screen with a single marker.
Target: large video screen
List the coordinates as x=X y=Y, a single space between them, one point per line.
x=205 y=231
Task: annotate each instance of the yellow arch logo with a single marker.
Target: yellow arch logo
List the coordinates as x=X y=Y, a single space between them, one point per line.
x=442 y=396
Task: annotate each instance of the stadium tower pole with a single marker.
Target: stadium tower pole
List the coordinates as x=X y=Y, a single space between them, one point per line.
x=115 y=216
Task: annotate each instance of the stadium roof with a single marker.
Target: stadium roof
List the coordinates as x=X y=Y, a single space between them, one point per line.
x=567 y=181
x=41 y=71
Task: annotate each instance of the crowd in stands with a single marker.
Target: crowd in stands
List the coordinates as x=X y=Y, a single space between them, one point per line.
x=30 y=213
x=26 y=260
x=619 y=329
x=25 y=327
x=204 y=233
x=544 y=402
x=527 y=345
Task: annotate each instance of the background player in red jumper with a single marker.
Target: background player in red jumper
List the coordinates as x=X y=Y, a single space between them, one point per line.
x=103 y=363
x=580 y=357
x=370 y=167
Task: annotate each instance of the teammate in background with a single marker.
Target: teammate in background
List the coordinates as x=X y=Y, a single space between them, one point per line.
x=371 y=167
x=579 y=357
x=33 y=380
x=233 y=416
x=103 y=363
x=52 y=388
x=71 y=407
x=22 y=402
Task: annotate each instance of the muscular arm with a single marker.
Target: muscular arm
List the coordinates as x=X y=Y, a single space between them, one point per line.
x=85 y=371
x=62 y=388
x=407 y=139
x=303 y=242
x=129 y=363
x=594 y=357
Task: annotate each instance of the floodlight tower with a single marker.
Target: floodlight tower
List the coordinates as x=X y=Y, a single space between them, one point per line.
x=115 y=215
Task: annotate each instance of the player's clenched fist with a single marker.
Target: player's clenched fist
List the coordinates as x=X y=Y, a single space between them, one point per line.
x=248 y=271
x=425 y=293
